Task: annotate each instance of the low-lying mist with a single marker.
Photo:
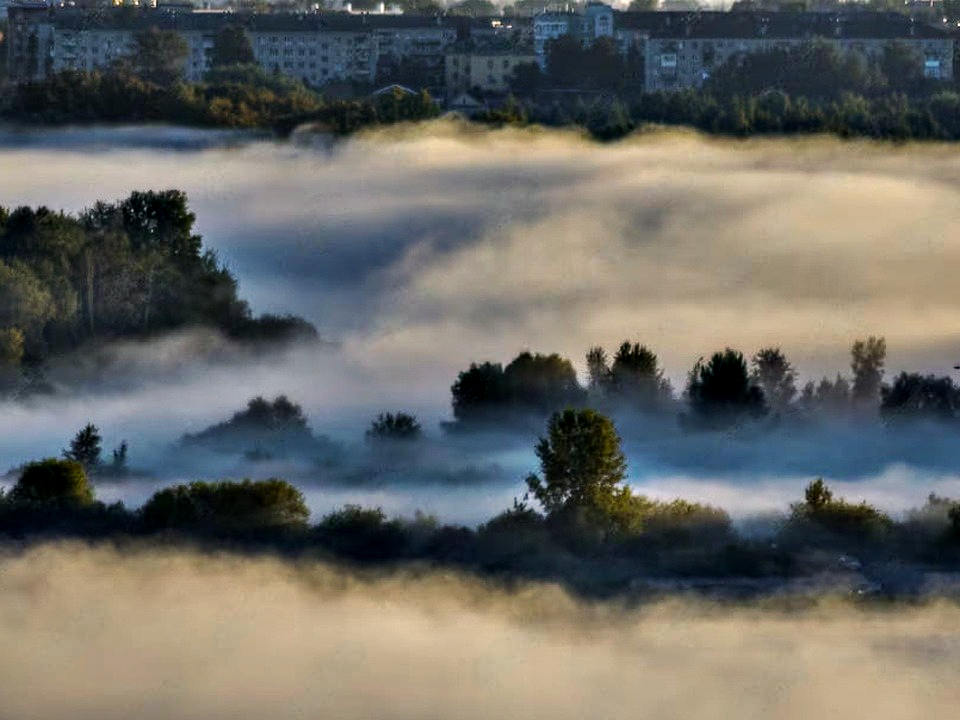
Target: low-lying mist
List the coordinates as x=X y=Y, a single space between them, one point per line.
x=418 y=250
x=92 y=633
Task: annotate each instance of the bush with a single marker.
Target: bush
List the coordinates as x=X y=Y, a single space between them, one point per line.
x=821 y=511
x=53 y=482
x=226 y=505
x=389 y=426
x=361 y=534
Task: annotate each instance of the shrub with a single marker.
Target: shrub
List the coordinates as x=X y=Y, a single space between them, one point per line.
x=226 y=505
x=53 y=482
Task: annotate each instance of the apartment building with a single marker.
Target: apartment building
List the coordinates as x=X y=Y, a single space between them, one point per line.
x=317 y=48
x=680 y=50
x=488 y=68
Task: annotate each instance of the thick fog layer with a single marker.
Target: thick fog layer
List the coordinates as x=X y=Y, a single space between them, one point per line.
x=418 y=251
x=91 y=634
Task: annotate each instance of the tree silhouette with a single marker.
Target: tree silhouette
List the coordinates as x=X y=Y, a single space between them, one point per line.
x=390 y=426
x=721 y=393
x=85 y=448
x=775 y=376
x=866 y=361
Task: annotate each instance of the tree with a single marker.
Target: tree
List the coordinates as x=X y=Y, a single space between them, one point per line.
x=53 y=482
x=231 y=46
x=85 y=448
x=836 y=515
x=479 y=391
x=643 y=5
x=866 y=360
x=598 y=370
x=581 y=462
x=720 y=391
x=636 y=376
x=902 y=67
x=775 y=376
x=159 y=55
x=390 y=426
x=119 y=464
x=918 y=397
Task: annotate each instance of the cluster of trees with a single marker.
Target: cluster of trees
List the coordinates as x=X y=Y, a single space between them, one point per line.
x=130 y=268
x=578 y=509
x=264 y=430
x=811 y=88
x=149 y=86
x=722 y=391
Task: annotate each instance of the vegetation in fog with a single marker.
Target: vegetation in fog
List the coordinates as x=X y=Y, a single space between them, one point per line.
x=133 y=268
x=579 y=523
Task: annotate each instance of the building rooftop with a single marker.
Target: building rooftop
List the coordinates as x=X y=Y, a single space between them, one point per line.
x=786 y=25
x=131 y=18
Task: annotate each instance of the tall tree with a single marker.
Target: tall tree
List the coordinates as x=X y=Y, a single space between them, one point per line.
x=159 y=56
x=774 y=374
x=581 y=462
x=231 y=46
x=85 y=448
x=721 y=393
x=867 y=358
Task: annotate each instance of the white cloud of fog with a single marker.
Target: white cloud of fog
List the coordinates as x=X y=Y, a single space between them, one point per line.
x=421 y=250
x=90 y=633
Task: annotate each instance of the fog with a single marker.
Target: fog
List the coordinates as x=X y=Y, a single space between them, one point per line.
x=417 y=251
x=92 y=633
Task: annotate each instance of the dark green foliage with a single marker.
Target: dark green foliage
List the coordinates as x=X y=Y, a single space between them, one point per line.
x=131 y=268
x=389 y=426
x=86 y=447
x=918 y=397
x=597 y=66
x=581 y=462
x=818 y=70
x=361 y=534
x=159 y=55
x=821 y=511
x=226 y=506
x=231 y=46
x=59 y=483
x=721 y=393
x=531 y=384
x=236 y=96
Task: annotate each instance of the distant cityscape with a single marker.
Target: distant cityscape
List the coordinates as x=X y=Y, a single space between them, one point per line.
x=454 y=55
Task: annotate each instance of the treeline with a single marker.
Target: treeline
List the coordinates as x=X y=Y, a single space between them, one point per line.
x=810 y=88
x=585 y=526
x=127 y=269
x=723 y=391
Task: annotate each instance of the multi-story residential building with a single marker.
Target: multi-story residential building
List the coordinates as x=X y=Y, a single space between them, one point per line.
x=316 y=48
x=487 y=68
x=680 y=50
x=596 y=20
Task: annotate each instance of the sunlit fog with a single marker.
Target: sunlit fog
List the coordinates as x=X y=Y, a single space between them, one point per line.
x=418 y=251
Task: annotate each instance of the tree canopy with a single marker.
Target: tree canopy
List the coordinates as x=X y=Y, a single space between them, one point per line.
x=62 y=483
x=721 y=393
x=581 y=462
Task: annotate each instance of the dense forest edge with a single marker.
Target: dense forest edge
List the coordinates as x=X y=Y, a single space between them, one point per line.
x=811 y=89
x=130 y=269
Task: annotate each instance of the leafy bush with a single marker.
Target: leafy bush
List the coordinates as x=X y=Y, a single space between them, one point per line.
x=227 y=505
x=53 y=482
